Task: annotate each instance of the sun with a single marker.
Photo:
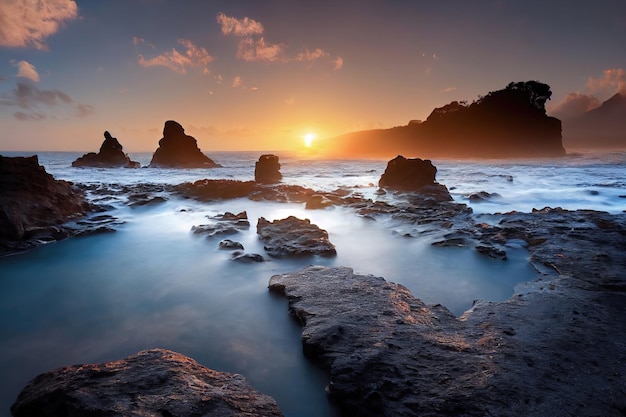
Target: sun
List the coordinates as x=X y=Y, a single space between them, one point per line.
x=308 y=139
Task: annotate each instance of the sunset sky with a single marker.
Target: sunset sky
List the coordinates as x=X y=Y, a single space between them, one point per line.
x=262 y=74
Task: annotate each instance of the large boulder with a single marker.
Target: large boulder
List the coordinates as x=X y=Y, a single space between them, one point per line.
x=30 y=198
x=111 y=155
x=154 y=382
x=415 y=175
x=267 y=170
x=294 y=237
x=178 y=150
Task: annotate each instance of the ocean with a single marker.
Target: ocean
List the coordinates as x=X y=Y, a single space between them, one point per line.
x=153 y=283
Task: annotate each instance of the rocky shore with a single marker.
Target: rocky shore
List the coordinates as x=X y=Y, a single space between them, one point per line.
x=557 y=347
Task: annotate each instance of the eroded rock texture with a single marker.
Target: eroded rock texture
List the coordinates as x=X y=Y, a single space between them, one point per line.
x=267 y=170
x=33 y=204
x=154 y=382
x=294 y=237
x=556 y=348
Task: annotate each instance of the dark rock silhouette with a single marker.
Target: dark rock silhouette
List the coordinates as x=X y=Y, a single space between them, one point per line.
x=152 y=382
x=511 y=122
x=33 y=203
x=602 y=127
x=111 y=155
x=178 y=150
x=415 y=175
x=267 y=170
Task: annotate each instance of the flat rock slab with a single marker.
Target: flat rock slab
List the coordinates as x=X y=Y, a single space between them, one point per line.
x=294 y=237
x=550 y=350
x=154 y=382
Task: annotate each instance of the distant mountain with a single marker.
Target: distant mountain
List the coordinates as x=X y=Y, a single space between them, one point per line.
x=602 y=127
x=507 y=123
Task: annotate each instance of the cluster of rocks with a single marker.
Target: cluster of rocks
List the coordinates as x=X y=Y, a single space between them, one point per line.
x=554 y=348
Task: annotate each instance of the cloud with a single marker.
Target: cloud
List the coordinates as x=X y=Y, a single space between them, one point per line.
x=574 y=105
x=253 y=47
x=192 y=56
x=613 y=80
x=239 y=27
x=28 y=71
x=338 y=63
x=28 y=97
x=84 y=110
x=237 y=81
x=258 y=50
x=29 y=117
x=28 y=23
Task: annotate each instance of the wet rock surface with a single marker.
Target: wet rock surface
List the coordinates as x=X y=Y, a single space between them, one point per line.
x=294 y=237
x=111 y=155
x=178 y=150
x=224 y=224
x=557 y=347
x=33 y=205
x=415 y=175
x=154 y=382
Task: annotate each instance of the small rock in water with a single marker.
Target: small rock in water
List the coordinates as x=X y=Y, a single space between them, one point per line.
x=247 y=257
x=294 y=237
x=228 y=244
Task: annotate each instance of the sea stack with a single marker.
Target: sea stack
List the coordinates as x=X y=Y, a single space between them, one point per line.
x=111 y=155
x=413 y=175
x=178 y=150
x=267 y=170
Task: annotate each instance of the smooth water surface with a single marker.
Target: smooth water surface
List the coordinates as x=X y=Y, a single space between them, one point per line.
x=153 y=283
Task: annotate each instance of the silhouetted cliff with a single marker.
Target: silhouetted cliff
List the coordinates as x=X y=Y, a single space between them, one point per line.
x=511 y=122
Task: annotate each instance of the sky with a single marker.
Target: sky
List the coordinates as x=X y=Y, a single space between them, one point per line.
x=266 y=74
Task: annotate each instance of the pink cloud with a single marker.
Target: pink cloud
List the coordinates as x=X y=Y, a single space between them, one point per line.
x=613 y=79
x=250 y=49
x=575 y=105
x=28 y=71
x=28 y=23
x=192 y=56
x=239 y=27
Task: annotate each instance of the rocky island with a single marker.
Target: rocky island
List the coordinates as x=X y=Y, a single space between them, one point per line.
x=111 y=155
x=178 y=150
x=507 y=123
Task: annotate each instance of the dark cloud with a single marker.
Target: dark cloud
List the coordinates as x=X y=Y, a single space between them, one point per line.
x=84 y=110
x=27 y=117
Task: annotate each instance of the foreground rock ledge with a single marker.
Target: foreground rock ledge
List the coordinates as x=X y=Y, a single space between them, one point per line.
x=553 y=350
x=154 y=382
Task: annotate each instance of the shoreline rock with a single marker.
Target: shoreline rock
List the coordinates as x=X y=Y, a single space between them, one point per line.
x=557 y=347
x=151 y=382
x=34 y=206
x=294 y=237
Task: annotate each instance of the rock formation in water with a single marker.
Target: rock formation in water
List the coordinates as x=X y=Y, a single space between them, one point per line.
x=111 y=155
x=294 y=237
x=178 y=150
x=154 y=382
x=556 y=347
x=33 y=204
x=511 y=122
x=413 y=175
x=267 y=170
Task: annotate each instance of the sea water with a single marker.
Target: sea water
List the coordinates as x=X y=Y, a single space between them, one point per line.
x=153 y=283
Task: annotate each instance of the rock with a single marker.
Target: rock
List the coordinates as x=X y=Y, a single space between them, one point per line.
x=556 y=347
x=228 y=244
x=317 y=201
x=482 y=196
x=30 y=198
x=178 y=150
x=208 y=190
x=267 y=170
x=154 y=382
x=226 y=224
x=247 y=258
x=294 y=237
x=413 y=175
x=111 y=155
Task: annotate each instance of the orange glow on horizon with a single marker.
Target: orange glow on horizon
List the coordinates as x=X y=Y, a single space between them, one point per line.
x=308 y=139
